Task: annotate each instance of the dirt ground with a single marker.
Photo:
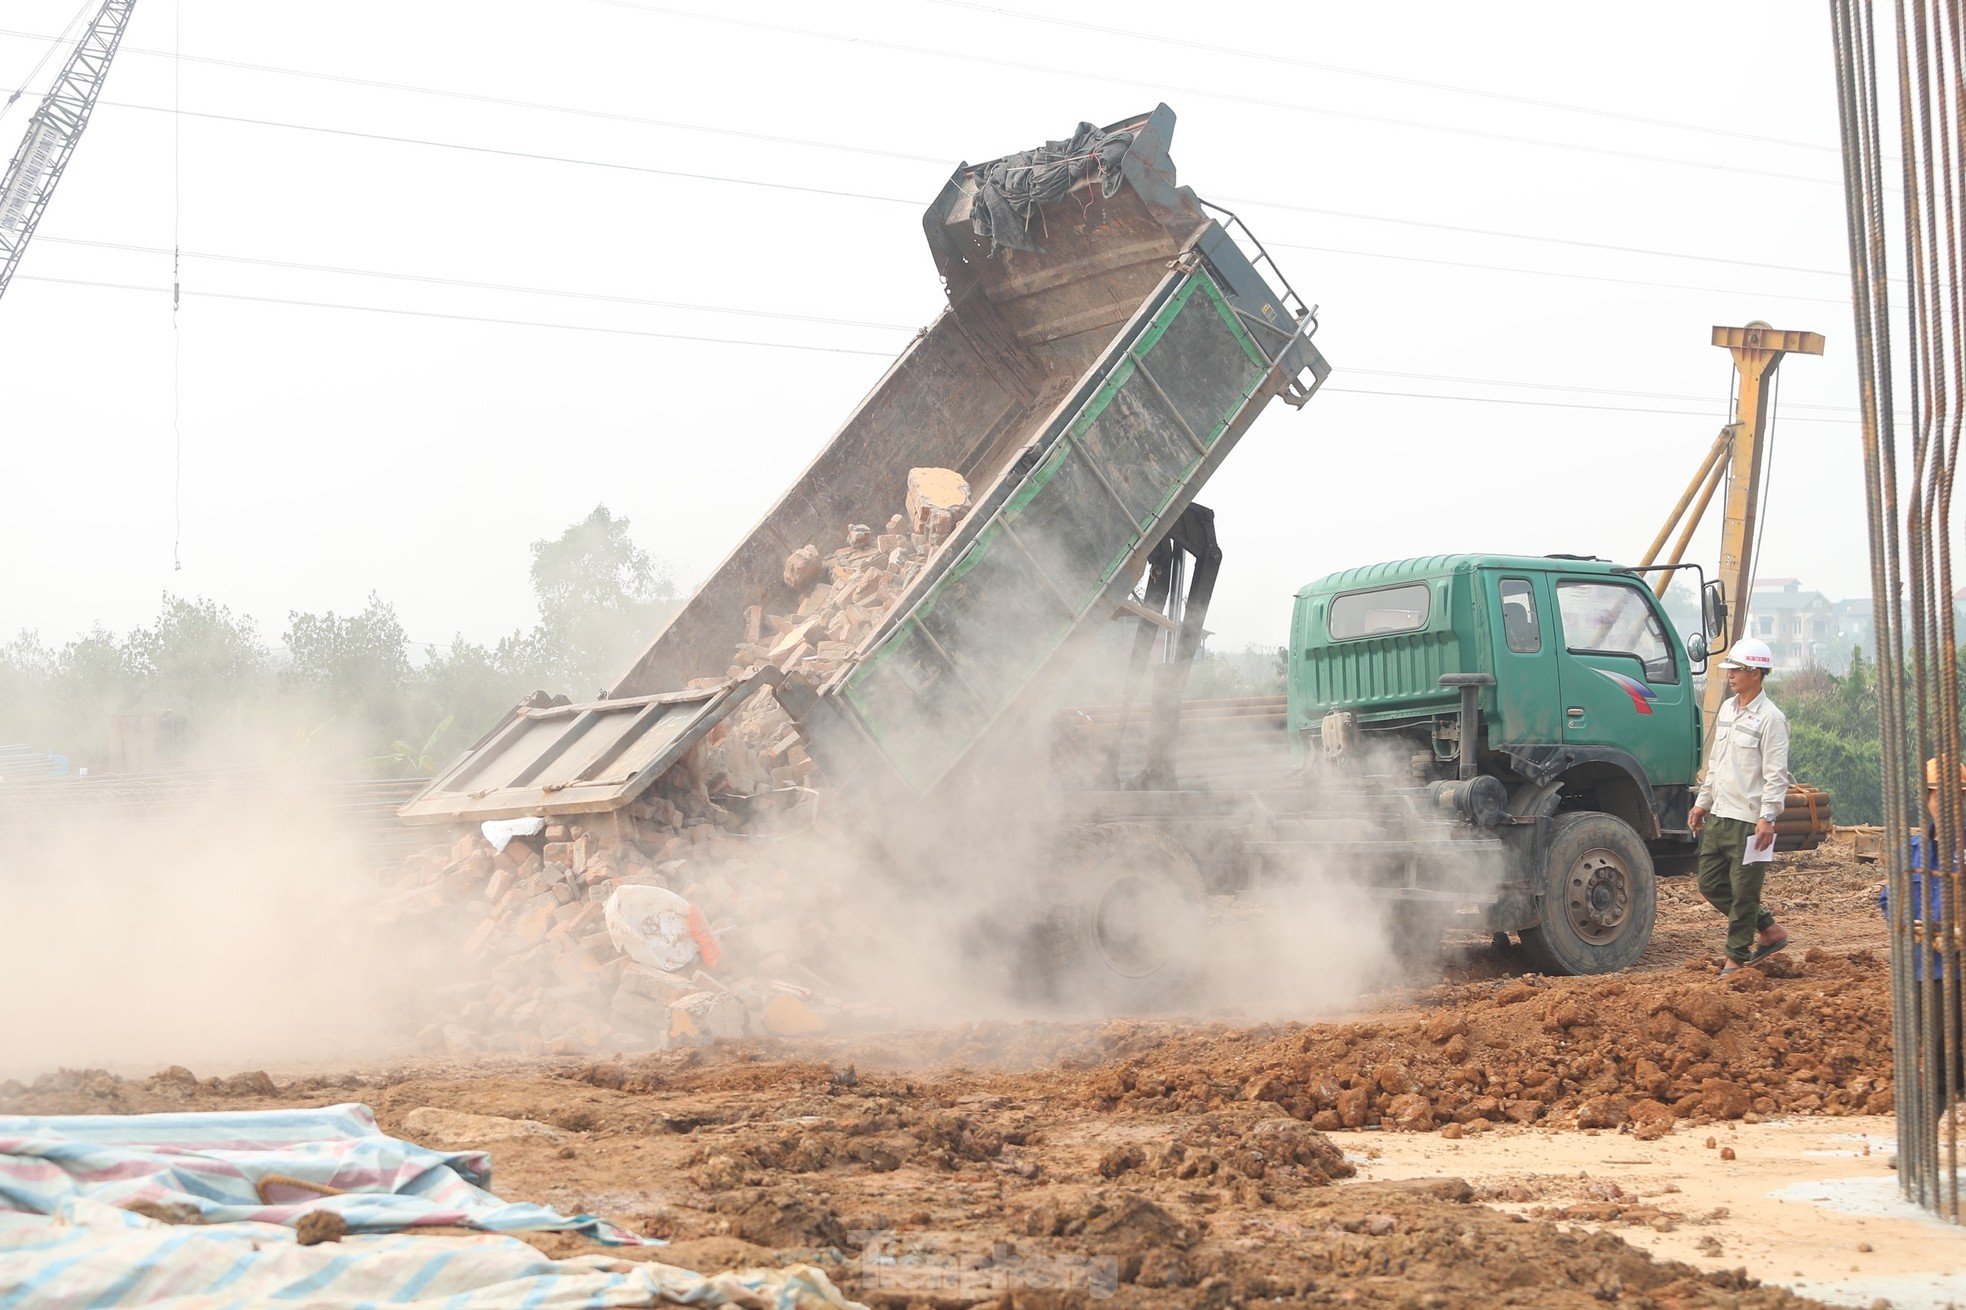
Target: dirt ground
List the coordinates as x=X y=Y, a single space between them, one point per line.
x=1425 y=1151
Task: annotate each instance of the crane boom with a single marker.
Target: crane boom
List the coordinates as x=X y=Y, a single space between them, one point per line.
x=53 y=133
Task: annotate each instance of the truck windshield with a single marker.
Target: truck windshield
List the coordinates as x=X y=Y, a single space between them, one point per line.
x=1377 y=613
x=1607 y=618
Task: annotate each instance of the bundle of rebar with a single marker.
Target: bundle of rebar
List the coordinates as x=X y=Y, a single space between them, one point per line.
x=1922 y=342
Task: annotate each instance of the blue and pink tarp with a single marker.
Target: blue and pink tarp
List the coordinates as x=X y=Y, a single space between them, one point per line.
x=220 y=1164
x=68 y=1240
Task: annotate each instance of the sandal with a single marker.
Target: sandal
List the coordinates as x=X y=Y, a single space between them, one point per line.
x=1763 y=952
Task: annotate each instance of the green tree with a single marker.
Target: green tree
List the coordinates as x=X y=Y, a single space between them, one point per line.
x=600 y=597
x=1833 y=741
x=1850 y=769
x=27 y=671
x=1255 y=670
x=93 y=677
x=357 y=667
x=341 y=688
x=198 y=656
x=460 y=691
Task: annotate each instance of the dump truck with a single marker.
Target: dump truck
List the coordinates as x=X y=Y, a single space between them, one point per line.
x=1103 y=349
x=1108 y=340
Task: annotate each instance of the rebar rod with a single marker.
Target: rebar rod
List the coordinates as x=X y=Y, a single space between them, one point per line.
x=1909 y=524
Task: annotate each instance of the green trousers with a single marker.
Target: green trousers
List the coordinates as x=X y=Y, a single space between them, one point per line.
x=1731 y=887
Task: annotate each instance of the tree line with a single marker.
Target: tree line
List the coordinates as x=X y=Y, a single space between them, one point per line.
x=350 y=692
x=353 y=693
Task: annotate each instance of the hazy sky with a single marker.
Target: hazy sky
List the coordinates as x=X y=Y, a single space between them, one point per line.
x=1532 y=214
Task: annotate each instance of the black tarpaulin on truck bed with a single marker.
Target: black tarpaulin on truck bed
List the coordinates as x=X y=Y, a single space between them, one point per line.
x=1011 y=190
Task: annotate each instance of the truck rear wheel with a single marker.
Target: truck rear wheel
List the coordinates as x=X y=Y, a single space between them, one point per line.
x=1599 y=897
x=1130 y=925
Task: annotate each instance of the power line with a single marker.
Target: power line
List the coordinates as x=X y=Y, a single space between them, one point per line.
x=478 y=98
x=564 y=293
x=1520 y=236
x=536 y=156
x=1558 y=386
x=1181 y=42
x=1188 y=43
x=177 y=288
x=478 y=285
x=828 y=145
x=1160 y=88
x=614 y=165
x=508 y=102
x=55 y=43
x=475 y=285
x=1648 y=283
x=1549 y=404
x=841 y=350
x=466 y=318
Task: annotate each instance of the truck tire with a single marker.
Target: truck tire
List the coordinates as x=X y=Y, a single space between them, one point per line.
x=1599 y=897
x=1128 y=928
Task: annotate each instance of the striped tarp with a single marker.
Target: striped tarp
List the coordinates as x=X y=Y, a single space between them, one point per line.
x=102 y=1257
x=265 y=1166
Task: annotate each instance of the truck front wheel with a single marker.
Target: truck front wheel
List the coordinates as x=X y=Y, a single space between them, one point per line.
x=1599 y=897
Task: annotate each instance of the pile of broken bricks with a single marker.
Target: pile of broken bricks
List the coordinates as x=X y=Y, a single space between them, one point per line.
x=553 y=972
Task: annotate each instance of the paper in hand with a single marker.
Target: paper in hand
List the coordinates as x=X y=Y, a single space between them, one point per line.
x=1760 y=856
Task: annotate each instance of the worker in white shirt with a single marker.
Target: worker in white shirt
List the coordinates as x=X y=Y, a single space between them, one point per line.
x=1744 y=788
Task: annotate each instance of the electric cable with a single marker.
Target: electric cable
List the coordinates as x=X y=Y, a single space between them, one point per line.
x=1557 y=386
x=870 y=324
x=478 y=285
x=1647 y=283
x=459 y=318
x=1544 y=404
x=879 y=354
x=1189 y=43
x=565 y=293
x=1182 y=42
x=177 y=291
x=473 y=97
x=1516 y=236
x=55 y=43
x=534 y=155
x=1161 y=88
x=541 y=156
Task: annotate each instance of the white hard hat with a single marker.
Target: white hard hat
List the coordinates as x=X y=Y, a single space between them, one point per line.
x=1749 y=654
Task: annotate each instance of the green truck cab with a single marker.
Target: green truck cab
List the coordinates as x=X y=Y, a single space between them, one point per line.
x=1547 y=701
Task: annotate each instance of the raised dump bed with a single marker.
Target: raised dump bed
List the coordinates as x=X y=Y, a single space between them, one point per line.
x=1085 y=387
x=1052 y=551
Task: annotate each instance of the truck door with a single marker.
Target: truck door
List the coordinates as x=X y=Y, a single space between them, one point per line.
x=1527 y=712
x=1621 y=681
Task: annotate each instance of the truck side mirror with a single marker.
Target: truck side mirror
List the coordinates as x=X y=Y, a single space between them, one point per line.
x=1696 y=648
x=1713 y=609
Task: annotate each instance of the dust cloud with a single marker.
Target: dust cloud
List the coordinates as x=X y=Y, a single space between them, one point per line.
x=963 y=907
x=243 y=924
x=195 y=917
